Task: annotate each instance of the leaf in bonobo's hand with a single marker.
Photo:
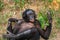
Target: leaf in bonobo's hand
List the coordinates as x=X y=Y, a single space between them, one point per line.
x=42 y=21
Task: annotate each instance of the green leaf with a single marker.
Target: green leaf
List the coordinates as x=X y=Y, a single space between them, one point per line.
x=1 y=5
x=42 y=18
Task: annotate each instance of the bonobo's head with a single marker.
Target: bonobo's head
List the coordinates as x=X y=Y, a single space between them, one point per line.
x=29 y=15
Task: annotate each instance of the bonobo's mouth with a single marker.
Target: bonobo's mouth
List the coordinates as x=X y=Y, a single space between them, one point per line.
x=32 y=20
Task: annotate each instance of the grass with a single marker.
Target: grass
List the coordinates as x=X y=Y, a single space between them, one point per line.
x=3 y=21
x=1 y=38
x=58 y=22
x=1 y=5
x=4 y=18
x=19 y=4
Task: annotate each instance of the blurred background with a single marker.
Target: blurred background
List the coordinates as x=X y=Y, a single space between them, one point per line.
x=14 y=8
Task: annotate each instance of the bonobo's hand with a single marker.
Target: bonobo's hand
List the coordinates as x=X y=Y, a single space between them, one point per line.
x=12 y=20
x=49 y=17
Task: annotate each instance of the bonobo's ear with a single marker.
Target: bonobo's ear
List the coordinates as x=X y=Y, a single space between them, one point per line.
x=23 y=15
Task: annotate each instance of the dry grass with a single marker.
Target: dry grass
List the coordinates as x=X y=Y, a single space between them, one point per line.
x=9 y=10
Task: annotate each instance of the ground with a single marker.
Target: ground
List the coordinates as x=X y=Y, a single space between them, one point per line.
x=11 y=10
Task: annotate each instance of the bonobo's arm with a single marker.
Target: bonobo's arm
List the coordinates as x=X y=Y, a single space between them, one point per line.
x=13 y=20
x=45 y=34
x=10 y=20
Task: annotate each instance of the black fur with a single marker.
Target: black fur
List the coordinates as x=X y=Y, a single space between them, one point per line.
x=44 y=33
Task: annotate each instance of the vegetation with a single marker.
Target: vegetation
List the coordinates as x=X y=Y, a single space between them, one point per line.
x=19 y=3
x=1 y=5
x=4 y=17
x=14 y=8
x=43 y=19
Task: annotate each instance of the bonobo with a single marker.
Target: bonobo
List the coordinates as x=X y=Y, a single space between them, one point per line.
x=28 y=28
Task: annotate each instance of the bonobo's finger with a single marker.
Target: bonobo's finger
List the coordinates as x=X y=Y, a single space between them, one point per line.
x=49 y=17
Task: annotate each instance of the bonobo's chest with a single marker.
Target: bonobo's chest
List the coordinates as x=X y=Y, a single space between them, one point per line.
x=25 y=26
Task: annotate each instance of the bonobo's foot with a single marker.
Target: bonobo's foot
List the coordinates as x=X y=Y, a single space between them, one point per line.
x=49 y=17
x=7 y=35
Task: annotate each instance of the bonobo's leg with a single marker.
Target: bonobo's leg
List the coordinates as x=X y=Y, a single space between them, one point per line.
x=26 y=34
x=9 y=28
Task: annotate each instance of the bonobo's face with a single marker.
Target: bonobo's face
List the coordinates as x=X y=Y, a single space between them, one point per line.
x=30 y=16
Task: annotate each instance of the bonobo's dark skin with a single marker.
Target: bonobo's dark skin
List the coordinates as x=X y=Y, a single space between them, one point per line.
x=29 y=21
